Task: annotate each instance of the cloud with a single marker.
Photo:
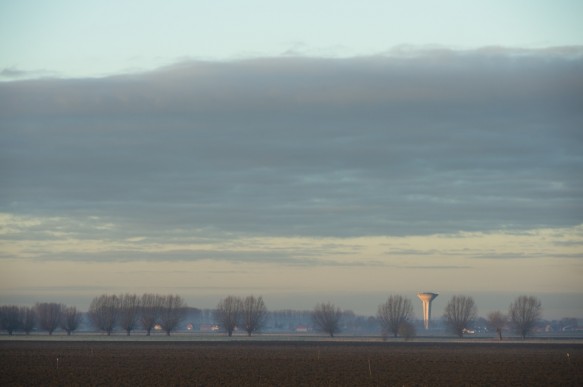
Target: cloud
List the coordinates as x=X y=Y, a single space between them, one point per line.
x=84 y=240
x=416 y=142
x=13 y=73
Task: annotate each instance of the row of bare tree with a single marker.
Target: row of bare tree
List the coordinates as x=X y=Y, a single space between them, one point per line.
x=129 y=311
x=47 y=316
x=249 y=314
x=396 y=314
x=523 y=313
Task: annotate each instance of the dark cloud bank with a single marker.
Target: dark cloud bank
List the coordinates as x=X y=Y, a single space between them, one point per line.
x=410 y=143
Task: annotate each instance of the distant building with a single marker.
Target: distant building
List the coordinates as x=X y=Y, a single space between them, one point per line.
x=302 y=328
x=209 y=328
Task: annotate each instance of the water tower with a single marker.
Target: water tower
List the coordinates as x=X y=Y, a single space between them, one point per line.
x=426 y=298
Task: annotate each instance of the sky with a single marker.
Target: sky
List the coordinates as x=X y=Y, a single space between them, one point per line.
x=303 y=151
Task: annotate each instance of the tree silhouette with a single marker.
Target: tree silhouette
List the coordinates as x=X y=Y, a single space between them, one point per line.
x=524 y=312
x=228 y=313
x=10 y=318
x=253 y=314
x=394 y=313
x=70 y=320
x=459 y=313
x=104 y=312
x=49 y=315
x=497 y=320
x=129 y=312
x=172 y=312
x=326 y=317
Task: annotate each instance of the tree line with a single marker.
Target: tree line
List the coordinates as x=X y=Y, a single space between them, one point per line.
x=459 y=314
x=106 y=312
x=249 y=314
x=48 y=316
x=395 y=316
x=129 y=311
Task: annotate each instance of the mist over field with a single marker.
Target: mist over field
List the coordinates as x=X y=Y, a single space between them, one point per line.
x=555 y=306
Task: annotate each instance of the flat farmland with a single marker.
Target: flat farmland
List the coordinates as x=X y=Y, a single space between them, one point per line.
x=277 y=363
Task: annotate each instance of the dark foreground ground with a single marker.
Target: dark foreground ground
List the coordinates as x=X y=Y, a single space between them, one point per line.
x=34 y=363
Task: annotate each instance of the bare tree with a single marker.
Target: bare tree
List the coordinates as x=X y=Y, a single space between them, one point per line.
x=151 y=308
x=524 y=312
x=28 y=319
x=459 y=312
x=49 y=315
x=326 y=317
x=497 y=320
x=104 y=311
x=228 y=313
x=253 y=314
x=71 y=318
x=10 y=318
x=173 y=311
x=394 y=313
x=129 y=312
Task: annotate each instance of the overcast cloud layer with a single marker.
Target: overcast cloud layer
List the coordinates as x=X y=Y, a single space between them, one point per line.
x=300 y=178
x=409 y=143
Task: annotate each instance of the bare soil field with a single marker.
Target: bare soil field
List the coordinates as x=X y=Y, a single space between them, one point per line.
x=91 y=363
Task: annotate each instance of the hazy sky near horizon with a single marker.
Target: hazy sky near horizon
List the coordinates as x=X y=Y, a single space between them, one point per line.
x=69 y=38
x=305 y=151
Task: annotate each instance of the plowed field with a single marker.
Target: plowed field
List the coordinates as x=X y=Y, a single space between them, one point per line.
x=34 y=363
